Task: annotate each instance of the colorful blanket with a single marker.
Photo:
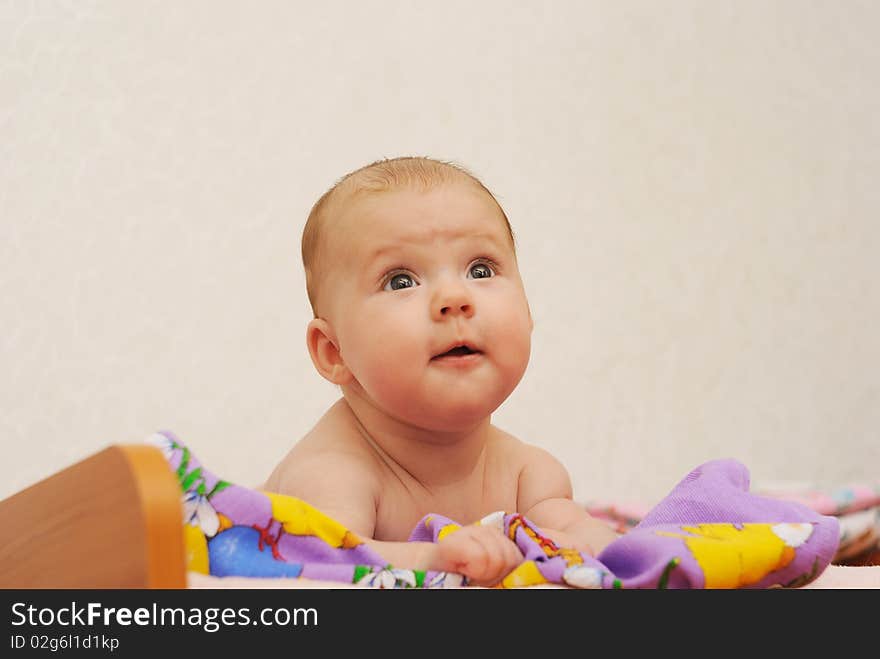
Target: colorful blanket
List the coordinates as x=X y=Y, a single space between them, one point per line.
x=855 y=505
x=708 y=532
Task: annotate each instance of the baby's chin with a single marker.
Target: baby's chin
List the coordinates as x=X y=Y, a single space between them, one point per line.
x=446 y=416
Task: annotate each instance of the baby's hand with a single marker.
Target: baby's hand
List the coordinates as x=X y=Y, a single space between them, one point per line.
x=481 y=553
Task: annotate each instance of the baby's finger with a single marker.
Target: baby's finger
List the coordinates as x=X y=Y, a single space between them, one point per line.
x=512 y=557
x=493 y=556
x=476 y=559
x=502 y=556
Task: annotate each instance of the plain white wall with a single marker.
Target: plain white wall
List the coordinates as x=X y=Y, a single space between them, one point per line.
x=693 y=185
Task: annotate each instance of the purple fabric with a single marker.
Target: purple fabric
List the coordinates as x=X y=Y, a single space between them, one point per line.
x=708 y=532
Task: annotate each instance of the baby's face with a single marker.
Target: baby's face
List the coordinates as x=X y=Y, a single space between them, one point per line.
x=427 y=303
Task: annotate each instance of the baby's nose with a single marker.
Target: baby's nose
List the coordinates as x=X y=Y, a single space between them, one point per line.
x=452 y=300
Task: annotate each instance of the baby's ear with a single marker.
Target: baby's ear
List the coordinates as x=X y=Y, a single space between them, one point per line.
x=324 y=351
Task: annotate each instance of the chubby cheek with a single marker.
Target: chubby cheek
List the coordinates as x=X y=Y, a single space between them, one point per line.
x=511 y=334
x=386 y=352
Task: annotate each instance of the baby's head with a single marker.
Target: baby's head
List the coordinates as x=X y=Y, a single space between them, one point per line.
x=419 y=307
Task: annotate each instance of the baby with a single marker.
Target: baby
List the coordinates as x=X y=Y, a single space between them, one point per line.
x=421 y=318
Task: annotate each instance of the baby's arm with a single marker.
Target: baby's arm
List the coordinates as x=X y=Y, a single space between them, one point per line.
x=343 y=488
x=545 y=498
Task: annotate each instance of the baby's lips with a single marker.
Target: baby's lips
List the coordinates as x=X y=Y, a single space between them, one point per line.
x=459 y=348
x=452 y=355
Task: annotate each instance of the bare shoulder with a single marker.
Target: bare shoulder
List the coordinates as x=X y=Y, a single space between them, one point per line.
x=540 y=474
x=334 y=473
x=528 y=457
x=331 y=450
x=310 y=464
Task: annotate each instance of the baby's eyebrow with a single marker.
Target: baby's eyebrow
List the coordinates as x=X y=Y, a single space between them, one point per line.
x=379 y=252
x=376 y=256
x=383 y=250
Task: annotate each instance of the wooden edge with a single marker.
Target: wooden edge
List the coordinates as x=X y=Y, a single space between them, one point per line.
x=112 y=520
x=160 y=497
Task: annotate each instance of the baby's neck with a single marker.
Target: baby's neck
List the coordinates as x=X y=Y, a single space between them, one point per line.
x=434 y=459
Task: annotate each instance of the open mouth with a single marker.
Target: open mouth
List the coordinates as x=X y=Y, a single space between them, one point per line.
x=457 y=351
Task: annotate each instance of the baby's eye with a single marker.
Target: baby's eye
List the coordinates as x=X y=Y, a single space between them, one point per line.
x=481 y=271
x=399 y=281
